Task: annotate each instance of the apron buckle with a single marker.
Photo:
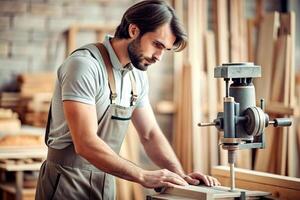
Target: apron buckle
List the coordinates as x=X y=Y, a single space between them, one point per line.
x=133 y=99
x=113 y=97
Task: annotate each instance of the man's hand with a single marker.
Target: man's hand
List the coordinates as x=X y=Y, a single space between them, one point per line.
x=195 y=178
x=161 y=178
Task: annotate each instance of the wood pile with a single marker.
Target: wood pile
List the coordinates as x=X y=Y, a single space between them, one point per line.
x=33 y=99
x=21 y=140
x=36 y=109
x=276 y=56
x=31 y=84
x=9 y=122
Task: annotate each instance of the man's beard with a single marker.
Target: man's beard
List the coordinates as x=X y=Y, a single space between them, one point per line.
x=136 y=58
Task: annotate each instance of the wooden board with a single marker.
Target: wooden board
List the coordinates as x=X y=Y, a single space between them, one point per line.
x=220 y=13
x=281 y=187
x=72 y=32
x=196 y=11
x=264 y=56
x=210 y=61
x=23 y=152
x=205 y=193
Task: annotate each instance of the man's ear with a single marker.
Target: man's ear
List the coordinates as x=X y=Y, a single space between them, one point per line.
x=134 y=31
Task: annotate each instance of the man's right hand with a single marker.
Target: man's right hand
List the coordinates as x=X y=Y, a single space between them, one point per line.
x=161 y=178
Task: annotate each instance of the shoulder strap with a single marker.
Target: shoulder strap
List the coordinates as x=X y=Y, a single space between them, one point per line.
x=109 y=69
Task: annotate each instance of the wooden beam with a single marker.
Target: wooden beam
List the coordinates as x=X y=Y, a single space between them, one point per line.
x=221 y=29
x=264 y=57
x=281 y=187
x=210 y=62
x=204 y=193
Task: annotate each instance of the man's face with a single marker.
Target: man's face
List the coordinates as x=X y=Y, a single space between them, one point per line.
x=149 y=48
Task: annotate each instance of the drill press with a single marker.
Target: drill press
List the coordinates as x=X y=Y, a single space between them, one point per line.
x=242 y=121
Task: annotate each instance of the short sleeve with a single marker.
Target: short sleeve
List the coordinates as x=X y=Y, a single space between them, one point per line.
x=143 y=99
x=78 y=78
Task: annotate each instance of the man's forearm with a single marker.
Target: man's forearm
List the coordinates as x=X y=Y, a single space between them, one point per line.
x=103 y=157
x=161 y=153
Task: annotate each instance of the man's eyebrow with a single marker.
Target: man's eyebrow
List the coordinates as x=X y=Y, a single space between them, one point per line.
x=162 y=45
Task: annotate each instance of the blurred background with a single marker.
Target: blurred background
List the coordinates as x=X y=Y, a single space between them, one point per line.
x=37 y=35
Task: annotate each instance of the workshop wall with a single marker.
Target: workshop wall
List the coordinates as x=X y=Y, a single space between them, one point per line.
x=31 y=31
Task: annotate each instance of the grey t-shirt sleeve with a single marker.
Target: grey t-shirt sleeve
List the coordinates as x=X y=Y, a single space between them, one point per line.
x=78 y=79
x=143 y=100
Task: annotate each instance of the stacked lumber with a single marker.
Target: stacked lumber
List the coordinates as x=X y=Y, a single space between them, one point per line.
x=35 y=96
x=37 y=107
x=9 y=122
x=30 y=84
x=277 y=86
x=9 y=100
x=33 y=99
x=21 y=140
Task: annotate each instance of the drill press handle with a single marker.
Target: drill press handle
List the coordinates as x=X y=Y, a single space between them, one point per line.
x=280 y=122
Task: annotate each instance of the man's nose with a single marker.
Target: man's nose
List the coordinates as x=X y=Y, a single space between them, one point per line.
x=158 y=55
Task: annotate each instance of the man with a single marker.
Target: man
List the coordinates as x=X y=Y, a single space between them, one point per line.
x=100 y=87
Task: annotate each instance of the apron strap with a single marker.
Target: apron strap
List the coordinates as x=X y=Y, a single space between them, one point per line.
x=109 y=69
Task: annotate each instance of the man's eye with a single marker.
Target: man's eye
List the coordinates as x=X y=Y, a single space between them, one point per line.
x=157 y=45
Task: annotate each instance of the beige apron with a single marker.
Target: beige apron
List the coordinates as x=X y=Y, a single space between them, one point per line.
x=65 y=174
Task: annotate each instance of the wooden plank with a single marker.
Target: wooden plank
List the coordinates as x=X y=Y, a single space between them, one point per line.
x=71 y=40
x=281 y=187
x=221 y=29
x=287 y=26
x=264 y=56
x=22 y=152
x=235 y=50
x=263 y=156
x=187 y=131
x=280 y=93
x=281 y=109
x=208 y=193
x=210 y=58
x=177 y=91
x=279 y=70
x=196 y=10
x=250 y=39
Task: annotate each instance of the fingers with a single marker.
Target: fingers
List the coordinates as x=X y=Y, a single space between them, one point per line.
x=217 y=183
x=191 y=181
x=208 y=180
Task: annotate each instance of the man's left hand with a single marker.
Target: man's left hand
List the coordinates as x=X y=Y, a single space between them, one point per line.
x=195 y=178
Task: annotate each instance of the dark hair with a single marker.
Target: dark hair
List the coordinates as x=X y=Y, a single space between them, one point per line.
x=148 y=16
